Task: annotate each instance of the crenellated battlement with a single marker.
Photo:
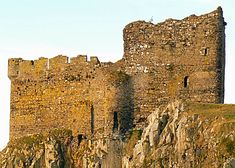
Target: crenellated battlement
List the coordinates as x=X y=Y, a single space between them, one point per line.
x=37 y=69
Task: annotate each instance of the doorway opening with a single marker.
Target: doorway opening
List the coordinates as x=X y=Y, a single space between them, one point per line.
x=115 y=121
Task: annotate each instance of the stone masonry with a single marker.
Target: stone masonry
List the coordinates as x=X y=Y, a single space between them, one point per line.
x=175 y=59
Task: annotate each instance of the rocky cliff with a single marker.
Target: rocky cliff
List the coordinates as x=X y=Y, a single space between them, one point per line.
x=195 y=135
x=176 y=135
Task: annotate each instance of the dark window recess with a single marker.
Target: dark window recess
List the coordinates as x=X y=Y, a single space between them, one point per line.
x=205 y=51
x=80 y=137
x=186 y=81
x=115 y=121
x=32 y=62
x=92 y=119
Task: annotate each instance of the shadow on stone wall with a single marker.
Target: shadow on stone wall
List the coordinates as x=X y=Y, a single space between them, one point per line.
x=126 y=104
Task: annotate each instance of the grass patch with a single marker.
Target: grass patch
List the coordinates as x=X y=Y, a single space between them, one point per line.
x=229 y=116
x=136 y=133
x=60 y=133
x=229 y=145
x=133 y=138
x=33 y=140
x=211 y=110
x=37 y=139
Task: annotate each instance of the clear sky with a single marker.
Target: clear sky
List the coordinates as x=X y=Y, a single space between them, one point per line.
x=35 y=28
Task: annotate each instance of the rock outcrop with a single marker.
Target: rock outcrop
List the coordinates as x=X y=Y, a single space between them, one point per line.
x=177 y=135
x=195 y=135
x=59 y=149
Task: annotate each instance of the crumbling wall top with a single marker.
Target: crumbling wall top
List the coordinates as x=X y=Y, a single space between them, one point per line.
x=216 y=13
x=174 y=41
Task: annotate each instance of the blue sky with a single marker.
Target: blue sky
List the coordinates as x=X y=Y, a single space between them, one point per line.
x=33 y=28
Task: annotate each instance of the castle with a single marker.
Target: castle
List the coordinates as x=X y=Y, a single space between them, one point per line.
x=175 y=59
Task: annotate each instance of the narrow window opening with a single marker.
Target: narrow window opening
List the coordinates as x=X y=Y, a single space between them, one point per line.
x=32 y=63
x=186 y=81
x=206 y=51
x=115 y=121
x=80 y=137
x=92 y=119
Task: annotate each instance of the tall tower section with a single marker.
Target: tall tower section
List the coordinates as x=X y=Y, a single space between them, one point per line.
x=176 y=59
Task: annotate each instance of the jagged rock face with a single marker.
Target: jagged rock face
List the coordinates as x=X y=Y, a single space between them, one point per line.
x=178 y=137
x=37 y=151
x=59 y=149
x=192 y=135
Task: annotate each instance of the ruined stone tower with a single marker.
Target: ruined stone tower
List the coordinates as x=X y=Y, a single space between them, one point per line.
x=175 y=59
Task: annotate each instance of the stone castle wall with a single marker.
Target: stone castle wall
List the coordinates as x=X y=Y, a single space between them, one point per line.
x=47 y=94
x=175 y=59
